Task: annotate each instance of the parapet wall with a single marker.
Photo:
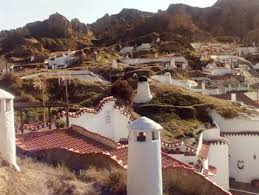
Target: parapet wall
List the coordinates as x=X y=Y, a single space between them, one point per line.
x=95 y=136
x=183 y=179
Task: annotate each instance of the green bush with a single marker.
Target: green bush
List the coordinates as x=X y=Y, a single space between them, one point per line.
x=60 y=123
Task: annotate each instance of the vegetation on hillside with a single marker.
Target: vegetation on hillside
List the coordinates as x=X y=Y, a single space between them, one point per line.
x=182 y=112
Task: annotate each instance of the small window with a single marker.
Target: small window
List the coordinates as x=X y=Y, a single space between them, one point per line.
x=254 y=157
x=141 y=137
x=8 y=105
x=154 y=136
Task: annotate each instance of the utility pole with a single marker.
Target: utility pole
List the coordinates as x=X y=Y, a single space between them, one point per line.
x=41 y=85
x=66 y=80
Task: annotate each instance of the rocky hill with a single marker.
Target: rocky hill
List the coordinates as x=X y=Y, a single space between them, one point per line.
x=177 y=27
x=234 y=18
x=42 y=37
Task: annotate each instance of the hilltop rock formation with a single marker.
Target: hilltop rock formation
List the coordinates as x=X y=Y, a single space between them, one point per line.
x=235 y=18
x=42 y=37
x=226 y=20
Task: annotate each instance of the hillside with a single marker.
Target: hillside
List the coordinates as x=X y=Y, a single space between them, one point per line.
x=42 y=37
x=182 y=112
x=234 y=18
x=41 y=178
x=177 y=27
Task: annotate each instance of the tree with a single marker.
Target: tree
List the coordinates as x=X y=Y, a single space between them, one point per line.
x=123 y=90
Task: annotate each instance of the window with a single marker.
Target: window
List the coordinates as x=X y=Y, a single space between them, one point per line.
x=154 y=135
x=8 y=105
x=141 y=137
x=254 y=157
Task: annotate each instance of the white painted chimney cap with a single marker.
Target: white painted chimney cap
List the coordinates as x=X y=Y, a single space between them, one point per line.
x=144 y=124
x=5 y=95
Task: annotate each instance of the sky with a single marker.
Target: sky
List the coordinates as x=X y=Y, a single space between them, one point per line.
x=17 y=13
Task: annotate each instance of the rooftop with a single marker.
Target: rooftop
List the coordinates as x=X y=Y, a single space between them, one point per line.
x=144 y=124
x=75 y=142
x=5 y=95
x=241 y=97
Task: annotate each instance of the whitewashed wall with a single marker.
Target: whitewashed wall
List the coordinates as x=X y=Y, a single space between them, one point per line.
x=235 y=125
x=154 y=60
x=244 y=148
x=211 y=134
x=109 y=122
x=218 y=71
x=7 y=132
x=218 y=157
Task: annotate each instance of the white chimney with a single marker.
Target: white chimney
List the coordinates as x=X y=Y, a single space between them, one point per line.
x=144 y=158
x=114 y=64
x=172 y=63
x=168 y=78
x=143 y=92
x=7 y=129
x=203 y=86
x=233 y=97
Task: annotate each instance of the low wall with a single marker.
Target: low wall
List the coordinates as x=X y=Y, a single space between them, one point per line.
x=95 y=136
x=189 y=182
x=74 y=161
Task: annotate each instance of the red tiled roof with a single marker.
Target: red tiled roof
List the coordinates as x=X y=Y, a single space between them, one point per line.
x=204 y=151
x=75 y=142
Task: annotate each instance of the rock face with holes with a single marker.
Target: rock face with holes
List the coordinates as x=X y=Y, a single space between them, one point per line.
x=7 y=130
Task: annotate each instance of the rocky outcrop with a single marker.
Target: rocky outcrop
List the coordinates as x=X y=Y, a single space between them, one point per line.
x=42 y=37
x=234 y=18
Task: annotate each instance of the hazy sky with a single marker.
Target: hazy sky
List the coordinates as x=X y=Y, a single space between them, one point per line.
x=16 y=13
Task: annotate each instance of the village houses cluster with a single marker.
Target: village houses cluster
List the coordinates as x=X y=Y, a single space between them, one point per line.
x=227 y=150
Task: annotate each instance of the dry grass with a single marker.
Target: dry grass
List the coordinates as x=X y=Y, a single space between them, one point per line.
x=40 y=178
x=113 y=181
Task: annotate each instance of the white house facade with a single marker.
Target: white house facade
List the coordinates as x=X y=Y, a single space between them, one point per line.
x=243 y=136
x=108 y=120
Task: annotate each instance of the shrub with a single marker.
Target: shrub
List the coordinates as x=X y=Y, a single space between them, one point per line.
x=113 y=181
x=123 y=90
x=60 y=123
